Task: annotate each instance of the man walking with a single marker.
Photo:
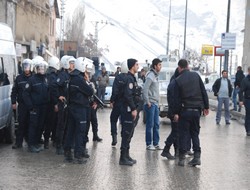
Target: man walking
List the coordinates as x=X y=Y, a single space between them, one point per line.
x=222 y=88
x=239 y=76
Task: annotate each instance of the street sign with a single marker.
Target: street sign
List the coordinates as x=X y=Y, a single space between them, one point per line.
x=218 y=51
x=228 y=41
x=207 y=50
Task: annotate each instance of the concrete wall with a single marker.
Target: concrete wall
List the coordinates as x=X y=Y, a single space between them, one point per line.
x=246 y=44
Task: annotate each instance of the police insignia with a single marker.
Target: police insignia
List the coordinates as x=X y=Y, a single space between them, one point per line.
x=58 y=80
x=130 y=85
x=27 y=85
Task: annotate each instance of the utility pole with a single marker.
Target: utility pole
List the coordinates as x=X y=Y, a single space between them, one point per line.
x=227 y=30
x=169 y=19
x=62 y=28
x=185 y=28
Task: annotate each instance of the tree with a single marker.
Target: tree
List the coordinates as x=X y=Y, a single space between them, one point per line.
x=74 y=29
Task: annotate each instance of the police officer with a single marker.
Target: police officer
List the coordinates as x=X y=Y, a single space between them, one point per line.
x=36 y=98
x=16 y=97
x=78 y=101
x=173 y=137
x=245 y=90
x=92 y=113
x=116 y=101
x=190 y=99
x=50 y=126
x=129 y=112
x=61 y=82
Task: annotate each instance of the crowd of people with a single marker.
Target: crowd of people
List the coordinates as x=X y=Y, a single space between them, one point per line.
x=56 y=100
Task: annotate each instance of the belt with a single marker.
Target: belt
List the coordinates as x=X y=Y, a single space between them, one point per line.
x=191 y=109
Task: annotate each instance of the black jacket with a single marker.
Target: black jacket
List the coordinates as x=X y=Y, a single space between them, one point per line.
x=216 y=87
x=245 y=88
x=79 y=90
x=238 y=78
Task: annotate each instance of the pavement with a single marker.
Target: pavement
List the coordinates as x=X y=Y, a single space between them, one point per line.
x=225 y=163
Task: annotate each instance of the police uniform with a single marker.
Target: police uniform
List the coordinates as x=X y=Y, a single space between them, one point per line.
x=79 y=93
x=23 y=111
x=36 y=98
x=190 y=98
x=92 y=118
x=130 y=103
x=50 y=126
x=116 y=99
x=61 y=82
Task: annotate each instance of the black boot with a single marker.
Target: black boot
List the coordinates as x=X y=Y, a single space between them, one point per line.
x=68 y=156
x=97 y=138
x=124 y=159
x=59 y=150
x=79 y=159
x=85 y=152
x=114 y=140
x=166 y=153
x=196 y=160
x=129 y=158
x=181 y=159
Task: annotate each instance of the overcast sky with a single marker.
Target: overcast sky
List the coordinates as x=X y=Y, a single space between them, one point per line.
x=136 y=14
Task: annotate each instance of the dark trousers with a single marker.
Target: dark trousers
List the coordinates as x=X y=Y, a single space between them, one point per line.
x=23 y=120
x=36 y=124
x=114 y=116
x=247 y=115
x=61 y=124
x=92 y=118
x=77 y=121
x=173 y=137
x=101 y=92
x=50 y=125
x=189 y=127
x=127 y=128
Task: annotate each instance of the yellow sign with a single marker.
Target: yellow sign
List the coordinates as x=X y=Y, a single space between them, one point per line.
x=207 y=50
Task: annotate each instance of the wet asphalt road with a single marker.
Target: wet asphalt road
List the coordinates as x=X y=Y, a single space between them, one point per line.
x=225 y=163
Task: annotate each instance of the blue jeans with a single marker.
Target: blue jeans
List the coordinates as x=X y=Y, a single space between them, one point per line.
x=247 y=115
x=222 y=101
x=152 y=124
x=235 y=94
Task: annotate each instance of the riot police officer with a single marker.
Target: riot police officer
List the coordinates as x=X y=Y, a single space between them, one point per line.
x=61 y=82
x=16 y=97
x=129 y=112
x=116 y=101
x=78 y=101
x=50 y=126
x=36 y=98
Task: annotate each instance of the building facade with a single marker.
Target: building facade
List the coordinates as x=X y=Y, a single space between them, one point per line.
x=246 y=44
x=33 y=23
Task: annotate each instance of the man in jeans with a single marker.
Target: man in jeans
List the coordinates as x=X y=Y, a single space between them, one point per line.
x=222 y=88
x=151 y=100
x=239 y=76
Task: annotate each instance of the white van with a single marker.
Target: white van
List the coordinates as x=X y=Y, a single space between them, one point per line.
x=8 y=72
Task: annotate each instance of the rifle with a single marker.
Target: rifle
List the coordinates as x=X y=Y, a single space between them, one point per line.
x=98 y=101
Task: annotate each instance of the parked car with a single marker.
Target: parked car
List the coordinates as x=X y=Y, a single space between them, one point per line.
x=108 y=91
